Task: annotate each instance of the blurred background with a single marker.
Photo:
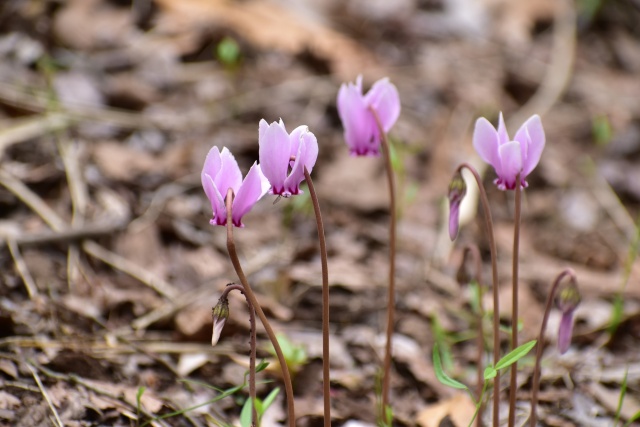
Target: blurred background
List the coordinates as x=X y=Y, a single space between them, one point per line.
x=109 y=267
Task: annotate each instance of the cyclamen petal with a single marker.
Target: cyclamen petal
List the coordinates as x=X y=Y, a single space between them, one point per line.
x=565 y=331
x=383 y=97
x=531 y=135
x=486 y=142
x=510 y=157
x=275 y=153
x=510 y=164
x=277 y=147
x=254 y=186
x=361 y=131
x=221 y=173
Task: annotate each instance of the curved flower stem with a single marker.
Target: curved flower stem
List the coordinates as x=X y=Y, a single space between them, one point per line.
x=391 y=304
x=480 y=386
x=496 y=299
x=514 y=308
x=535 y=385
x=233 y=255
x=252 y=343
x=326 y=380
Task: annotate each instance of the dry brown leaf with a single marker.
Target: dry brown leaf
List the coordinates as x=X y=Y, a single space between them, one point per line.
x=8 y=401
x=189 y=362
x=268 y=25
x=9 y=368
x=518 y=18
x=194 y=320
x=356 y=183
x=148 y=400
x=123 y=163
x=92 y=24
x=459 y=409
x=343 y=272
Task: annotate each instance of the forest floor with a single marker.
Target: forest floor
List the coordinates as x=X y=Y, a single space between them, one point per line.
x=110 y=268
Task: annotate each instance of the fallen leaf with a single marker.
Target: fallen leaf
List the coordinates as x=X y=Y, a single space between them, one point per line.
x=268 y=25
x=458 y=409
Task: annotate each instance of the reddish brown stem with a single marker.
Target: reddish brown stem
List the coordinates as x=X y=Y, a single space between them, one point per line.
x=391 y=304
x=252 y=343
x=496 y=299
x=326 y=379
x=535 y=385
x=514 y=302
x=233 y=255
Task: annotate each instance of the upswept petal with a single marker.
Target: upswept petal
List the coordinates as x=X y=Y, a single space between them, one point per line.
x=486 y=143
x=511 y=163
x=262 y=129
x=383 y=97
x=216 y=200
x=253 y=187
x=356 y=119
x=346 y=92
x=292 y=183
x=503 y=135
x=212 y=164
x=274 y=155
x=229 y=175
x=295 y=139
x=311 y=147
x=531 y=136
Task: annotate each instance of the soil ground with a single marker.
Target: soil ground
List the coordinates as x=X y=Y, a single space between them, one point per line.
x=109 y=267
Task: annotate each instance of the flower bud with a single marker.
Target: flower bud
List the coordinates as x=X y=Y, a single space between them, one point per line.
x=220 y=315
x=457 y=191
x=567 y=301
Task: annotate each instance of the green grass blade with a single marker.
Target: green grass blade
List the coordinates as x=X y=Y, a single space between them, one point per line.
x=441 y=375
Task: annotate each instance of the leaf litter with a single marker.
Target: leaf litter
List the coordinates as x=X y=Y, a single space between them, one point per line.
x=125 y=269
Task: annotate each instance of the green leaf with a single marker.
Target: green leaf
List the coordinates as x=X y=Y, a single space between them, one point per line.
x=139 y=394
x=441 y=375
x=515 y=355
x=271 y=397
x=490 y=372
x=262 y=366
x=245 y=414
x=635 y=417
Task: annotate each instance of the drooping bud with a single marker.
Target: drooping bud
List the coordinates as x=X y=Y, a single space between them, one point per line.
x=567 y=301
x=457 y=191
x=220 y=315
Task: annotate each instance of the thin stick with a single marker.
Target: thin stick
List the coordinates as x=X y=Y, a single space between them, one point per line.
x=535 y=386
x=391 y=304
x=496 y=299
x=23 y=270
x=45 y=395
x=53 y=220
x=326 y=378
x=233 y=255
x=514 y=307
x=252 y=343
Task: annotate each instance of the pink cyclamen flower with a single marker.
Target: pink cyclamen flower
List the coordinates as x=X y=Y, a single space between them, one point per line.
x=508 y=157
x=221 y=172
x=355 y=110
x=278 y=148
